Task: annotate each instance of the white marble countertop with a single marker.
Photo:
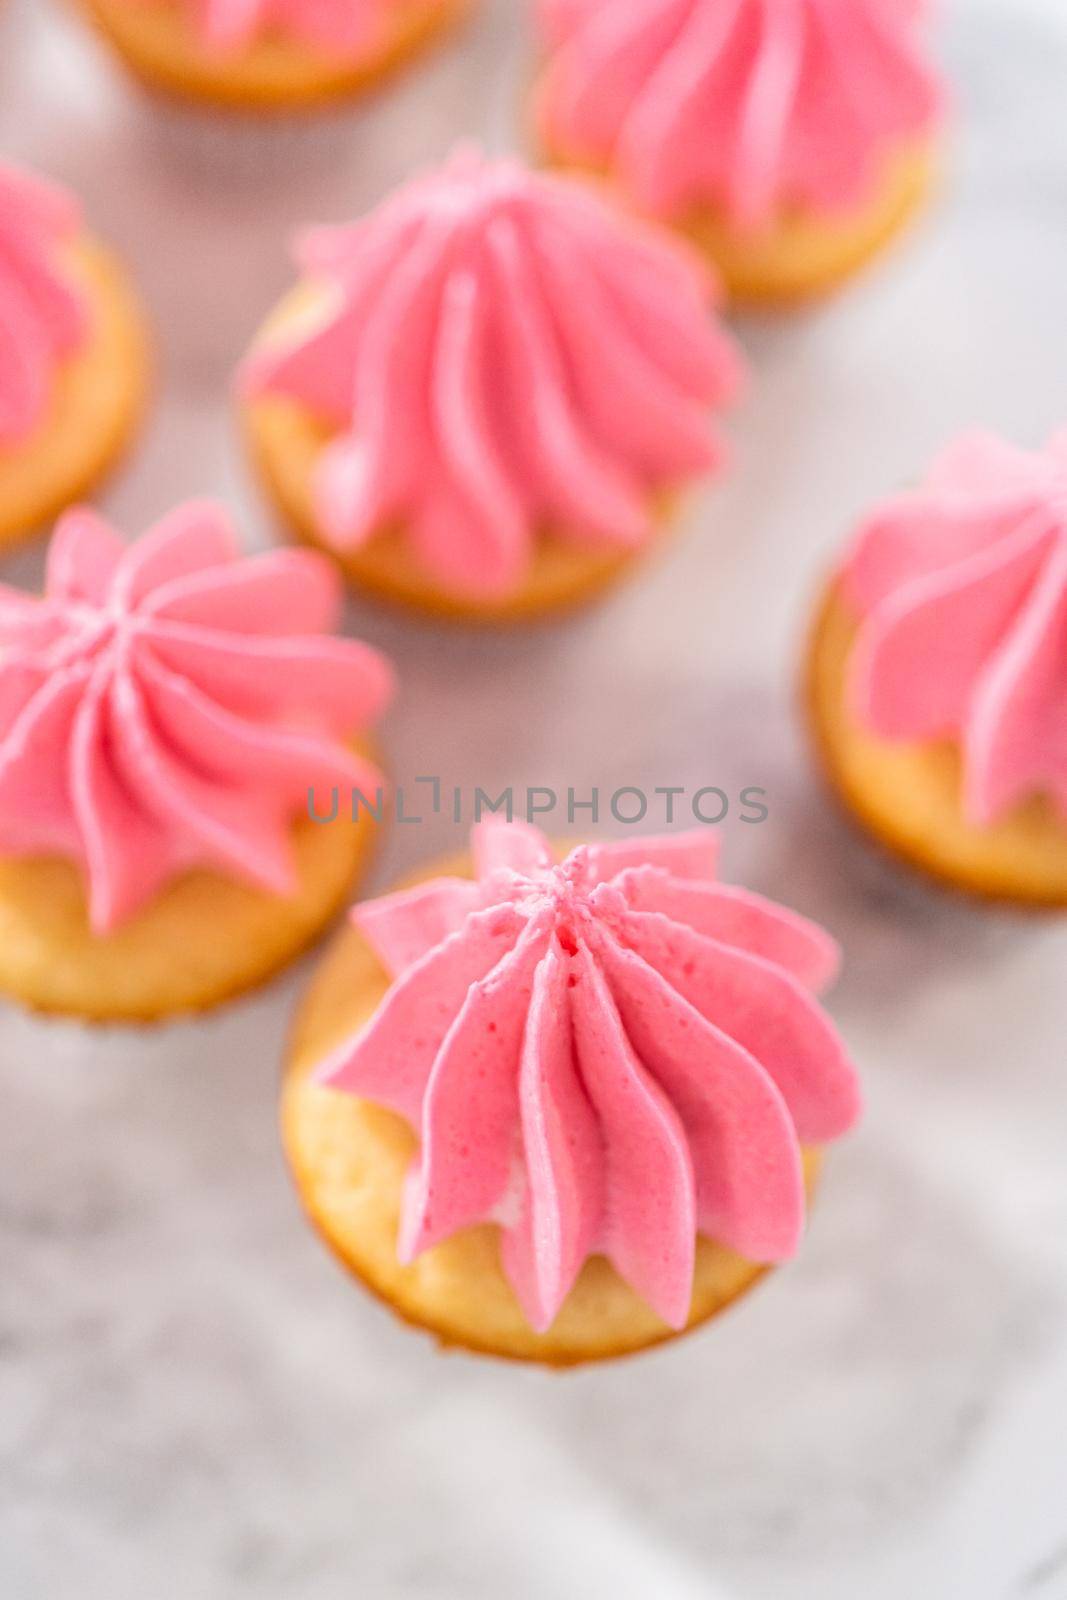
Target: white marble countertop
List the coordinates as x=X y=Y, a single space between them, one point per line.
x=194 y=1402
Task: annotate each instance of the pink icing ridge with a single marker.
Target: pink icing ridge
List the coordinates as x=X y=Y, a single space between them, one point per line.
x=501 y=351
x=347 y=28
x=962 y=588
x=168 y=705
x=748 y=105
x=604 y=1056
x=44 y=317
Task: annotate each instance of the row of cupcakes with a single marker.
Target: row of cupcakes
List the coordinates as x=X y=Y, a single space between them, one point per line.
x=574 y=353
x=788 y=141
x=483 y=400
x=172 y=704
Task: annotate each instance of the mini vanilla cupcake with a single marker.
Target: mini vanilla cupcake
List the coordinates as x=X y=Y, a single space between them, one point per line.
x=483 y=397
x=791 y=139
x=268 y=55
x=73 y=356
x=166 y=712
x=938 y=672
x=562 y=1113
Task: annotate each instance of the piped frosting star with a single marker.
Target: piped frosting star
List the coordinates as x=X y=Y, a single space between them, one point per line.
x=169 y=704
x=498 y=354
x=747 y=105
x=610 y=1055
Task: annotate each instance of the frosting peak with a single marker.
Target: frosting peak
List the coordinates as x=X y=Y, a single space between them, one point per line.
x=43 y=317
x=962 y=588
x=608 y=1055
x=500 y=354
x=747 y=105
x=167 y=705
x=338 y=27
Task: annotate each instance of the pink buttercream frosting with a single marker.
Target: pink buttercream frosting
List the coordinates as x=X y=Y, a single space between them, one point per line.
x=745 y=105
x=44 y=316
x=347 y=28
x=499 y=352
x=962 y=590
x=612 y=1055
x=169 y=705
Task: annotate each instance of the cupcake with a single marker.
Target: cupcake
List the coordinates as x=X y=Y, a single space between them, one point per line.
x=172 y=720
x=73 y=356
x=938 y=672
x=559 y=1113
x=791 y=140
x=483 y=397
x=268 y=55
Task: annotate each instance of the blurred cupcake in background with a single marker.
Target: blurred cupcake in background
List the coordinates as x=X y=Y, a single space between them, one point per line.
x=166 y=711
x=790 y=139
x=73 y=356
x=269 y=55
x=484 y=397
x=563 y=1112
x=938 y=672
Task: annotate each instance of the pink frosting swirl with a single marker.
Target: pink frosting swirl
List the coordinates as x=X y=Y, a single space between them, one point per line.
x=44 y=317
x=747 y=105
x=605 y=1056
x=349 y=28
x=500 y=352
x=962 y=588
x=168 y=705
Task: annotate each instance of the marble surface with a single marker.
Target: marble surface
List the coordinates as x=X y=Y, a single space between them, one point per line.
x=194 y=1403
